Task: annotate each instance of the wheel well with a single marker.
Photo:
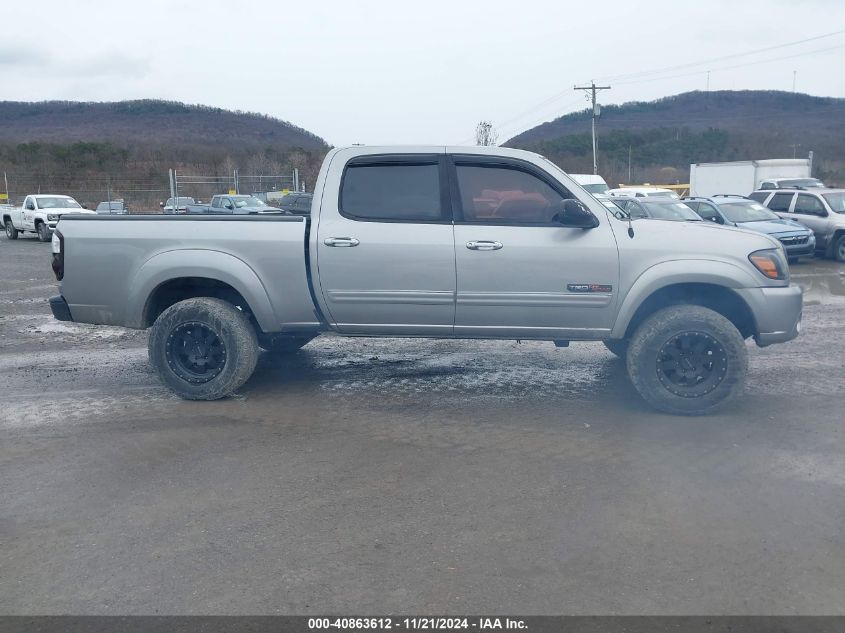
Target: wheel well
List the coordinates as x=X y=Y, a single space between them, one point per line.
x=836 y=235
x=5 y=218
x=718 y=298
x=176 y=290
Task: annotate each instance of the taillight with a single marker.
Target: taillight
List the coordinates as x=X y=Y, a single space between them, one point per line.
x=58 y=246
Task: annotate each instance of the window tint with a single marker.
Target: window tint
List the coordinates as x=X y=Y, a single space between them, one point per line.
x=809 y=205
x=392 y=192
x=759 y=196
x=502 y=195
x=780 y=202
x=215 y=202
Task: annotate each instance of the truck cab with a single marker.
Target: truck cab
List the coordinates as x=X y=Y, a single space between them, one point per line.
x=39 y=214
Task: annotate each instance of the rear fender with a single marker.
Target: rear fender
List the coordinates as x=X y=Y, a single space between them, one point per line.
x=199 y=263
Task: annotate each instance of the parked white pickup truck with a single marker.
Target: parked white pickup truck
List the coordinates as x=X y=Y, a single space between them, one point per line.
x=39 y=214
x=434 y=242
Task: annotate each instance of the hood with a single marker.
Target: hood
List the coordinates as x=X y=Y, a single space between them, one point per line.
x=773 y=226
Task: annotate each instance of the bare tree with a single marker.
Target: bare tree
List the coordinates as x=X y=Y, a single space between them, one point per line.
x=485 y=134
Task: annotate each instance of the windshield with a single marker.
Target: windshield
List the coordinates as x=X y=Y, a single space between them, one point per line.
x=246 y=201
x=811 y=183
x=597 y=188
x=670 y=211
x=57 y=203
x=746 y=211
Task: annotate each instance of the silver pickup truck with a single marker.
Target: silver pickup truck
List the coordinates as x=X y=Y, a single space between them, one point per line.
x=446 y=242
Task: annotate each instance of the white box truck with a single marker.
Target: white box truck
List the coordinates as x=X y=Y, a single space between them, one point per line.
x=743 y=177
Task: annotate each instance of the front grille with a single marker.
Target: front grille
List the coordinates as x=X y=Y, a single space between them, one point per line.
x=794 y=240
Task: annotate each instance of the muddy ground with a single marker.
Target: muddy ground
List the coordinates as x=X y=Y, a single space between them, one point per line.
x=412 y=476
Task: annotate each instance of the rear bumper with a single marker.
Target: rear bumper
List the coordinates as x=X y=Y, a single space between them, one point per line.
x=777 y=313
x=60 y=308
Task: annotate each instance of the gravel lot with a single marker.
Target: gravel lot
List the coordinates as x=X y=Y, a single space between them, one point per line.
x=412 y=476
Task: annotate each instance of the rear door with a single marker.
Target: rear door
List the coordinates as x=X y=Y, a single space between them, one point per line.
x=519 y=273
x=385 y=249
x=780 y=203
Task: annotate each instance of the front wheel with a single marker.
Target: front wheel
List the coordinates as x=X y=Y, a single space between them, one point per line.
x=687 y=360
x=203 y=348
x=11 y=231
x=619 y=347
x=44 y=232
x=839 y=249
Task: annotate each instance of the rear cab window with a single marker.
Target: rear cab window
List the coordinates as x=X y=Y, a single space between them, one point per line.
x=393 y=189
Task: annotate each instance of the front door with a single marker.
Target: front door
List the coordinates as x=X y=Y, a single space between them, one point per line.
x=810 y=211
x=519 y=273
x=385 y=249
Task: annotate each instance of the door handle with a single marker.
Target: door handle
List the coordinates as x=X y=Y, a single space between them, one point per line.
x=484 y=245
x=346 y=242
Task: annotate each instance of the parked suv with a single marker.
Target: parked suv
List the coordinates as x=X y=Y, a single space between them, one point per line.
x=821 y=210
x=297 y=203
x=742 y=212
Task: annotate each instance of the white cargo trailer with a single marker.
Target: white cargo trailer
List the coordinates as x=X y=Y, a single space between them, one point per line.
x=743 y=177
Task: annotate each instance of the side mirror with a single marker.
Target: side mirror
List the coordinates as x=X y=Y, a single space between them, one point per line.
x=574 y=214
x=84 y=206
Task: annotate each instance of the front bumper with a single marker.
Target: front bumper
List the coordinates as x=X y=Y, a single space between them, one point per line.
x=777 y=312
x=60 y=308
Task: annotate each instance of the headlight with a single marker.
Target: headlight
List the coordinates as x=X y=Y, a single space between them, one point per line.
x=52 y=217
x=770 y=262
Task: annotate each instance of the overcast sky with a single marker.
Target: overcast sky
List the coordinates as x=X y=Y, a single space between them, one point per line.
x=373 y=71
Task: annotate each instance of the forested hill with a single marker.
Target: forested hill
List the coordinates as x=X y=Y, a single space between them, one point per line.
x=148 y=122
x=125 y=149
x=666 y=135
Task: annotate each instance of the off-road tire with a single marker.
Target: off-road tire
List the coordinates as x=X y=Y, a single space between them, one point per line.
x=665 y=331
x=231 y=327
x=839 y=249
x=44 y=232
x=619 y=347
x=282 y=344
x=11 y=231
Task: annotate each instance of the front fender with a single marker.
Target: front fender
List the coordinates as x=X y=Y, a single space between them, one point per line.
x=209 y=264
x=670 y=273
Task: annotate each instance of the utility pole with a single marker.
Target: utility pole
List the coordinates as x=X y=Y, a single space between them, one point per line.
x=629 y=165
x=794 y=77
x=592 y=89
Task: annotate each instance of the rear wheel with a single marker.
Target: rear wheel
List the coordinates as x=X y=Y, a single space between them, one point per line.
x=687 y=360
x=839 y=249
x=44 y=232
x=203 y=348
x=11 y=231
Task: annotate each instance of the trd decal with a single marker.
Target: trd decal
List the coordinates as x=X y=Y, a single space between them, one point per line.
x=589 y=288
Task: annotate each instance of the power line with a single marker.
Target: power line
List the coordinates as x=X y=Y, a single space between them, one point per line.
x=762 y=61
x=721 y=58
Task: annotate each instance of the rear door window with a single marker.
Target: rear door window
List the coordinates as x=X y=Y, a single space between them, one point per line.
x=780 y=202
x=760 y=196
x=392 y=192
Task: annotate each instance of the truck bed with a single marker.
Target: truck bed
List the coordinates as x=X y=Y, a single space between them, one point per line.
x=114 y=264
